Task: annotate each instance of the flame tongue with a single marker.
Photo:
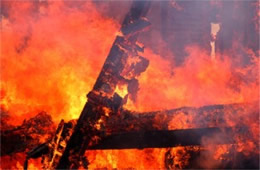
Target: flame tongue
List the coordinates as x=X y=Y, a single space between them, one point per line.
x=51 y=56
x=50 y=60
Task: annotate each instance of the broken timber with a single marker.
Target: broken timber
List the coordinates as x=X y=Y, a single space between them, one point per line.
x=165 y=138
x=132 y=130
x=194 y=117
x=156 y=129
x=116 y=70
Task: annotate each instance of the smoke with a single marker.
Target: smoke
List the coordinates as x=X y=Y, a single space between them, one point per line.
x=182 y=70
x=177 y=25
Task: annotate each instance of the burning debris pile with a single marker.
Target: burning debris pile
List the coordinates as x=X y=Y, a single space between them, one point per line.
x=29 y=134
x=23 y=138
x=118 y=127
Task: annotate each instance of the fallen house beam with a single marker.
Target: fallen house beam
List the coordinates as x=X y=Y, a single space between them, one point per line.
x=165 y=138
x=190 y=117
x=132 y=130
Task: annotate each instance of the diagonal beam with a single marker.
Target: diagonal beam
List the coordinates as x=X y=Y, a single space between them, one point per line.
x=116 y=70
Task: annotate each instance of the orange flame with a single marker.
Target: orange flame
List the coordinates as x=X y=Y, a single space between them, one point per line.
x=50 y=62
x=53 y=53
x=200 y=81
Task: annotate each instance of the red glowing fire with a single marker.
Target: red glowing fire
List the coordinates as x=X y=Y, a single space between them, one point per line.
x=53 y=51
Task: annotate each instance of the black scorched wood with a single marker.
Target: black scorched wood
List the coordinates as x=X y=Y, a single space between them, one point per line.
x=27 y=135
x=127 y=130
x=116 y=70
x=191 y=117
x=165 y=138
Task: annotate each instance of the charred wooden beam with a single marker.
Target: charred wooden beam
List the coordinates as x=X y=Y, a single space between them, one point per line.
x=132 y=130
x=38 y=151
x=103 y=100
x=165 y=138
x=191 y=117
x=135 y=26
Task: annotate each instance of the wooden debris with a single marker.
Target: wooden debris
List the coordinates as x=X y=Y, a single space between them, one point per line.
x=27 y=135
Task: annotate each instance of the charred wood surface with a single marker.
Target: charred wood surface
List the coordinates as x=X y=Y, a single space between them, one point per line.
x=165 y=138
x=103 y=100
x=184 y=118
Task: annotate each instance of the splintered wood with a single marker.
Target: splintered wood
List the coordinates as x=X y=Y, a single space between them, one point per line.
x=122 y=66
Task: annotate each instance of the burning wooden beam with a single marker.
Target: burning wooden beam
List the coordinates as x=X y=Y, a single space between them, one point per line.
x=131 y=130
x=117 y=70
x=164 y=138
x=193 y=117
x=103 y=114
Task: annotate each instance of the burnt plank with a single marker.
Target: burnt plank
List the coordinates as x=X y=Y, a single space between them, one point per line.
x=165 y=138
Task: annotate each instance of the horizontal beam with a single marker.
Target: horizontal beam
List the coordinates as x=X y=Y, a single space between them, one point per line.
x=165 y=139
x=193 y=117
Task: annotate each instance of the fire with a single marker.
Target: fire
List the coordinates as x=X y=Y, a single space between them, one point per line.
x=121 y=90
x=53 y=51
x=17 y=161
x=220 y=150
x=138 y=159
x=50 y=61
x=200 y=81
